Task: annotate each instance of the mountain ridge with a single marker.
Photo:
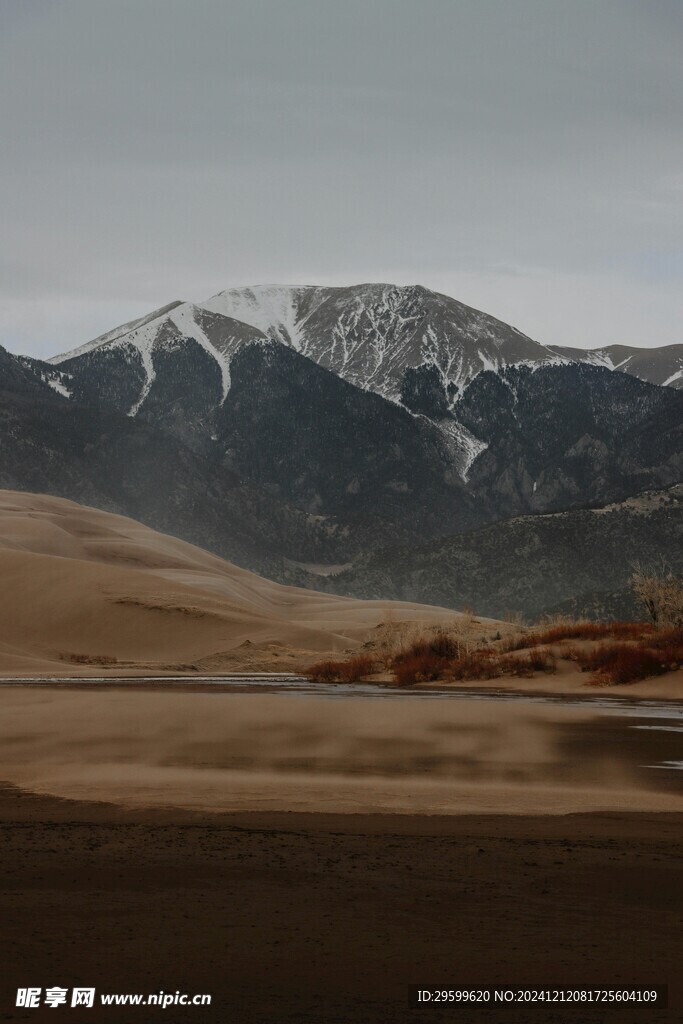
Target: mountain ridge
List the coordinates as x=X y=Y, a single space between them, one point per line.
x=372 y=333
x=573 y=561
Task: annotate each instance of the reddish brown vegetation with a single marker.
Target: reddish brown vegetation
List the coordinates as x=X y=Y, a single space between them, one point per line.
x=426 y=661
x=481 y=665
x=625 y=652
x=540 y=660
x=580 y=631
x=418 y=666
x=350 y=671
x=615 y=653
x=613 y=664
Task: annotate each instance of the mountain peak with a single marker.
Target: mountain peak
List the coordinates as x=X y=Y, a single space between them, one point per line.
x=371 y=333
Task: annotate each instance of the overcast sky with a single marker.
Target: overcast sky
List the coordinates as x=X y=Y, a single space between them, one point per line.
x=525 y=157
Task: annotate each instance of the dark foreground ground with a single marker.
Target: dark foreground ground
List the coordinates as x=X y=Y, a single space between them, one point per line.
x=325 y=918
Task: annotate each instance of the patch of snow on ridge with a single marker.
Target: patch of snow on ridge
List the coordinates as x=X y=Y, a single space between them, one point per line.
x=58 y=386
x=143 y=341
x=487 y=363
x=143 y=336
x=463 y=445
x=600 y=358
x=678 y=375
x=185 y=319
x=271 y=309
x=116 y=334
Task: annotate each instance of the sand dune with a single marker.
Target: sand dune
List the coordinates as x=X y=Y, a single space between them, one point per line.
x=85 y=589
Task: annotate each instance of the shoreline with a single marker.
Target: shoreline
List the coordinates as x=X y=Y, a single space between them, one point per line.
x=666 y=688
x=19 y=806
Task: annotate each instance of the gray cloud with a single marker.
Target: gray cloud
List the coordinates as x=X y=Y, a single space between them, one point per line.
x=523 y=157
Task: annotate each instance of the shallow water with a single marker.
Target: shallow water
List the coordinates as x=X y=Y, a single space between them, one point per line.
x=289 y=684
x=591 y=733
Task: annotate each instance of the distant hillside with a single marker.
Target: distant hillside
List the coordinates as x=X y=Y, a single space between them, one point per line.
x=577 y=562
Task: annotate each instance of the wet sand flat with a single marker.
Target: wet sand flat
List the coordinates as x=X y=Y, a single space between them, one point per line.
x=321 y=918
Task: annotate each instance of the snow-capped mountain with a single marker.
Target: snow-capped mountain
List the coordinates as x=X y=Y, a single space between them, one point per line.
x=221 y=432
x=411 y=346
x=370 y=334
x=120 y=367
x=408 y=344
x=663 y=365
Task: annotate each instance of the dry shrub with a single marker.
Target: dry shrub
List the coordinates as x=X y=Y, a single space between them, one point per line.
x=350 y=671
x=424 y=660
x=443 y=646
x=391 y=637
x=667 y=638
x=324 y=672
x=613 y=664
x=541 y=660
x=357 y=668
x=580 y=631
x=510 y=666
x=439 y=646
x=525 y=665
x=427 y=661
x=476 y=666
x=418 y=667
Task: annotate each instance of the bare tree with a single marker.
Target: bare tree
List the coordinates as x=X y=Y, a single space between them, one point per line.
x=464 y=631
x=514 y=618
x=661 y=591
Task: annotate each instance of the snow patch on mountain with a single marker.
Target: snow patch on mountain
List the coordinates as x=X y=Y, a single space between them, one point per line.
x=369 y=334
x=58 y=386
x=143 y=341
x=463 y=445
x=272 y=309
x=116 y=333
x=146 y=335
x=660 y=366
x=187 y=319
